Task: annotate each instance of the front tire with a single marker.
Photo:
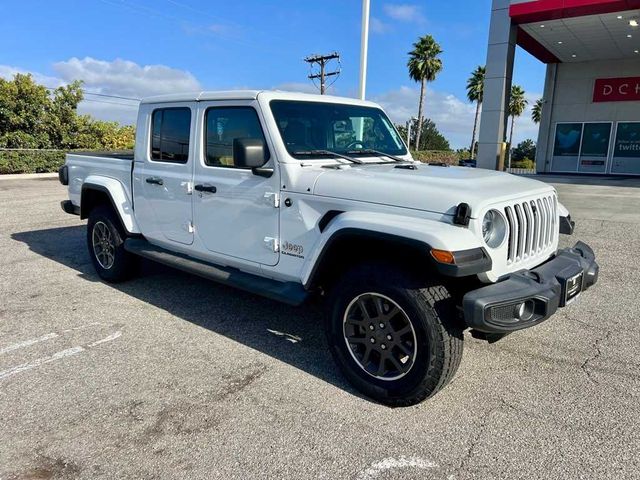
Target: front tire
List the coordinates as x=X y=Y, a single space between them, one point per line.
x=394 y=337
x=105 y=240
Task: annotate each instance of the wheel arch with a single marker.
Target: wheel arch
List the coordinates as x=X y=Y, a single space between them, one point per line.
x=108 y=191
x=349 y=246
x=353 y=236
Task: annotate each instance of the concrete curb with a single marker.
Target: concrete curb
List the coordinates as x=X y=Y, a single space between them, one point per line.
x=17 y=176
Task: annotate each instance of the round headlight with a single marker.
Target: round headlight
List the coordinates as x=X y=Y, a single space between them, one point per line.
x=494 y=228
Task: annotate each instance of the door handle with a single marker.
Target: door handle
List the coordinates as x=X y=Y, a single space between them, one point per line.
x=205 y=188
x=155 y=181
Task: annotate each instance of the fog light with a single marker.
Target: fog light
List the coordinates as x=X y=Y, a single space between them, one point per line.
x=524 y=311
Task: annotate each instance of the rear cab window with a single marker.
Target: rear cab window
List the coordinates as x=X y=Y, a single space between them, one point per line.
x=170 y=132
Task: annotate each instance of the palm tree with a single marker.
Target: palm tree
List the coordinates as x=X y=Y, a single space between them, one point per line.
x=475 y=93
x=424 y=65
x=517 y=105
x=536 y=111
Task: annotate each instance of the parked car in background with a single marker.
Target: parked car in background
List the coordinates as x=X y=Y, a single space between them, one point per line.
x=467 y=163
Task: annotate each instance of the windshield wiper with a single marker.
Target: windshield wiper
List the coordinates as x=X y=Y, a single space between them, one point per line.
x=377 y=152
x=328 y=153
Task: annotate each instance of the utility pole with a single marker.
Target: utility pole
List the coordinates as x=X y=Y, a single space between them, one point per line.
x=322 y=61
x=364 y=47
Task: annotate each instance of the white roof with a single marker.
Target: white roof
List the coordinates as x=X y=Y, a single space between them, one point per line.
x=251 y=95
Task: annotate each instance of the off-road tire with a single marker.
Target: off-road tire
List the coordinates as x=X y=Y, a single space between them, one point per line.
x=432 y=314
x=123 y=264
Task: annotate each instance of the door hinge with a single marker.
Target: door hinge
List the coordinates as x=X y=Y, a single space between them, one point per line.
x=190 y=228
x=188 y=187
x=272 y=244
x=273 y=198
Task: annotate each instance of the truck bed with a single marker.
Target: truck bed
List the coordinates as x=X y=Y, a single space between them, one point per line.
x=113 y=166
x=121 y=154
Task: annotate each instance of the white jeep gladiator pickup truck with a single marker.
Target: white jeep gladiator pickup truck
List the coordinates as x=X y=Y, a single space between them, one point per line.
x=290 y=195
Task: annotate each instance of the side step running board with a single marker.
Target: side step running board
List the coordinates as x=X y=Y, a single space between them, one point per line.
x=287 y=292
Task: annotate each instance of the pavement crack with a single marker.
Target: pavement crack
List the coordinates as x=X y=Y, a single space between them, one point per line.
x=597 y=354
x=475 y=439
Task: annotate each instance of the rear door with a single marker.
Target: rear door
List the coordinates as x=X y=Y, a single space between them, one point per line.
x=240 y=218
x=163 y=175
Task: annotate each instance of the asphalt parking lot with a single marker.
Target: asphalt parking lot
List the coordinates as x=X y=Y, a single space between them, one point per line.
x=171 y=376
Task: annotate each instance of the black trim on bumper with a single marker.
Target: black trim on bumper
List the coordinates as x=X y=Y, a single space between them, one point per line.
x=468 y=262
x=499 y=308
x=69 y=207
x=567 y=225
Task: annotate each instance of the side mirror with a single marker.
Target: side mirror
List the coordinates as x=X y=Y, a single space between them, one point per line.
x=249 y=152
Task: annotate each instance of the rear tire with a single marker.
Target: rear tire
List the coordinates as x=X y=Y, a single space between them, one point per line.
x=395 y=337
x=105 y=240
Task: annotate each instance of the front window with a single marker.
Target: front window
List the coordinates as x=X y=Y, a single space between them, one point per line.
x=223 y=125
x=340 y=128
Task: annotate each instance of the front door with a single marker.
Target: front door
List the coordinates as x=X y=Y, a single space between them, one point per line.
x=235 y=211
x=163 y=176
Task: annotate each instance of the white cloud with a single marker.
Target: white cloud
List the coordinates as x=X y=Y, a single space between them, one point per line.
x=453 y=116
x=404 y=12
x=117 y=77
x=126 y=78
x=378 y=26
x=8 y=72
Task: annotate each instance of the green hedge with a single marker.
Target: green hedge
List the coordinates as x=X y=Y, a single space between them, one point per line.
x=30 y=161
x=433 y=156
x=526 y=163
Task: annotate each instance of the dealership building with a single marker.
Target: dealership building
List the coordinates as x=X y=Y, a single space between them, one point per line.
x=591 y=102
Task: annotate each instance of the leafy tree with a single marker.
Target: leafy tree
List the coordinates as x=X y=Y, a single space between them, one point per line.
x=525 y=150
x=475 y=93
x=517 y=105
x=536 y=111
x=431 y=138
x=24 y=113
x=424 y=65
x=33 y=117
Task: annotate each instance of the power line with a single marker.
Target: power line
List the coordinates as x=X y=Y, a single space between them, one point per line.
x=101 y=95
x=110 y=103
x=111 y=96
x=322 y=61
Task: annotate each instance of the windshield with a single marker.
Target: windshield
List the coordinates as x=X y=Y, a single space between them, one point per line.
x=333 y=127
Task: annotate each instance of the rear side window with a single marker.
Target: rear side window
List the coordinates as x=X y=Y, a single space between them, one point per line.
x=222 y=126
x=170 y=129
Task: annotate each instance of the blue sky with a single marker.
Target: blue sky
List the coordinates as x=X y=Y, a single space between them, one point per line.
x=143 y=47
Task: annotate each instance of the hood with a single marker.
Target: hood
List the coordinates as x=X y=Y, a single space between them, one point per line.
x=430 y=188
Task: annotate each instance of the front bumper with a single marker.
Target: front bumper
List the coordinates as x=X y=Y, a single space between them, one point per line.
x=529 y=297
x=69 y=207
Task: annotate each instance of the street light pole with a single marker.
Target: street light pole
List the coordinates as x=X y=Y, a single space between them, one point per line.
x=364 y=47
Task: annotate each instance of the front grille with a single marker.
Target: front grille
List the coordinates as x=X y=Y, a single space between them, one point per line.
x=532 y=227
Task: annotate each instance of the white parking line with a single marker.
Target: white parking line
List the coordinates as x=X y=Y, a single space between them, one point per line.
x=44 y=338
x=378 y=468
x=111 y=337
x=56 y=356
x=41 y=361
x=28 y=343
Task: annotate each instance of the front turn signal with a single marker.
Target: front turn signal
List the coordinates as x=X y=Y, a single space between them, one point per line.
x=443 y=256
